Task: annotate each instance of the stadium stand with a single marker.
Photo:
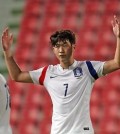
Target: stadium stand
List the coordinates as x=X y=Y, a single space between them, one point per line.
x=90 y=19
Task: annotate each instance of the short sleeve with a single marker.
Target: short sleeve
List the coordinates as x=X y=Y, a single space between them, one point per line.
x=98 y=66
x=35 y=75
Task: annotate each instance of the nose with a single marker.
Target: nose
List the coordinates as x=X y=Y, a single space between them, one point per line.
x=61 y=49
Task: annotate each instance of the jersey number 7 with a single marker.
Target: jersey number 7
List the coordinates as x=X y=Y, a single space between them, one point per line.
x=66 y=89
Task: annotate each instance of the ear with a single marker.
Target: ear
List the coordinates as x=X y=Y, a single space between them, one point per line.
x=53 y=49
x=74 y=46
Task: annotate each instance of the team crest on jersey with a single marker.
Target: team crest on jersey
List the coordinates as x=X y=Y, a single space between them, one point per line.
x=78 y=72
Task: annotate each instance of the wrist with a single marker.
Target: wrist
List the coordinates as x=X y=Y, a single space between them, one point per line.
x=118 y=37
x=7 y=53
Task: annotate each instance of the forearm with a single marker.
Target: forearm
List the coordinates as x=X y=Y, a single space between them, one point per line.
x=114 y=64
x=13 y=69
x=12 y=66
x=117 y=52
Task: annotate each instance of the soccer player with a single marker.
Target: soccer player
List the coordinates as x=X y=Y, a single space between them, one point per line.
x=4 y=107
x=68 y=83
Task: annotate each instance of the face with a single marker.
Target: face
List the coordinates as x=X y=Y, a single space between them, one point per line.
x=64 y=51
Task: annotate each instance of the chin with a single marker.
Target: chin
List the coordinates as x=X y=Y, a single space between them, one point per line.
x=63 y=60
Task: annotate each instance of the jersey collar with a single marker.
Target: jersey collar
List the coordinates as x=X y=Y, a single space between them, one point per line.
x=70 y=67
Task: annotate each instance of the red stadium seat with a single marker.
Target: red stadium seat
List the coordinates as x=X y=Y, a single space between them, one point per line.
x=112 y=7
x=91 y=20
x=33 y=8
x=74 y=8
x=95 y=7
x=55 y=8
x=109 y=126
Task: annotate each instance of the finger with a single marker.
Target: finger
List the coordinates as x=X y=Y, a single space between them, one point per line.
x=116 y=20
x=5 y=32
x=3 y=37
x=3 y=44
x=11 y=38
x=112 y=22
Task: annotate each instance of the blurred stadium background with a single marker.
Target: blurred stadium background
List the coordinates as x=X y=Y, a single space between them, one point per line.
x=31 y=22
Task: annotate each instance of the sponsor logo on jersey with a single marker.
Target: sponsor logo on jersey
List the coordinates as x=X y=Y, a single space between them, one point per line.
x=78 y=72
x=86 y=128
x=53 y=77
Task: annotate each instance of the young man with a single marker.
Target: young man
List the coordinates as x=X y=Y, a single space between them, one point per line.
x=4 y=107
x=68 y=83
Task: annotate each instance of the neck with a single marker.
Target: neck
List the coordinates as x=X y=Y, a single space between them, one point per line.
x=65 y=65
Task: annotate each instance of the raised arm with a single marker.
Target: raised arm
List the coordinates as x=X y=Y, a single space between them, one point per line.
x=15 y=72
x=114 y=64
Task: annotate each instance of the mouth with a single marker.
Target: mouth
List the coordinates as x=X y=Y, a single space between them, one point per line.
x=62 y=55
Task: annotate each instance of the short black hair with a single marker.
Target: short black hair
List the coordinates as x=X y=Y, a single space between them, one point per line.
x=62 y=35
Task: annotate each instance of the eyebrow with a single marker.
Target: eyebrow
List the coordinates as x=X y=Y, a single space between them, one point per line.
x=61 y=42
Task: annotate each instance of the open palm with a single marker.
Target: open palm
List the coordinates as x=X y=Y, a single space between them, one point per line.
x=116 y=26
x=7 y=39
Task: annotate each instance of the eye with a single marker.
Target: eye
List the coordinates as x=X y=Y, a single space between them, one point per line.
x=65 y=45
x=57 y=46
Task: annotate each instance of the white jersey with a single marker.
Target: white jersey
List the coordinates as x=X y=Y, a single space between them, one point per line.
x=70 y=91
x=4 y=107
